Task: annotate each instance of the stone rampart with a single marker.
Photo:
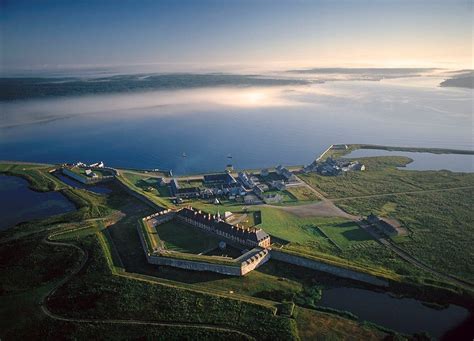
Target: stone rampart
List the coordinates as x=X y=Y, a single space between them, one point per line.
x=194 y=265
x=332 y=269
x=139 y=196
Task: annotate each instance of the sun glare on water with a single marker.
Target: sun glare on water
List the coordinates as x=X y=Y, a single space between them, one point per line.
x=254 y=98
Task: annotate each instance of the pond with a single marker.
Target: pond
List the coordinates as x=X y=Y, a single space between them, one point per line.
x=76 y=184
x=406 y=315
x=24 y=204
x=424 y=161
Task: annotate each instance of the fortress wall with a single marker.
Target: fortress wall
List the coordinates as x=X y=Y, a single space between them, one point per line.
x=90 y=181
x=332 y=269
x=194 y=265
x=76 y=177
x=255 y=261
x=143 y=241
x=140 y=197
x=160 y=217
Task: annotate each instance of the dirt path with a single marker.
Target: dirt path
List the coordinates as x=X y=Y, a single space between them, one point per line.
x=323 y=208
x=85 y=256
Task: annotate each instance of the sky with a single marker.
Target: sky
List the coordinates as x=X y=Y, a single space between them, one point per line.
x=228 y=35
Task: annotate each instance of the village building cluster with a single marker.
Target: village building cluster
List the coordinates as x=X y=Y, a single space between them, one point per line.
x=248 y=188
x=334 y=167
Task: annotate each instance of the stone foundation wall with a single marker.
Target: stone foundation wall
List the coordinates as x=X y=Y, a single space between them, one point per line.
x=89 y=181
x=332 y=269
x=196 y=266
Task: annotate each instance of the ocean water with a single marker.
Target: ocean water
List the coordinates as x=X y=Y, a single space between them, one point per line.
x=257 y=126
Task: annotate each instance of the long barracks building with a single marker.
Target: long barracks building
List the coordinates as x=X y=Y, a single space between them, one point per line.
x=213 y=223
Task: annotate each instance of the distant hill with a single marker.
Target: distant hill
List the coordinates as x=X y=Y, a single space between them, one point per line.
x=379 y=71
x=374 y=74
x=464 y=80
x=25 y=88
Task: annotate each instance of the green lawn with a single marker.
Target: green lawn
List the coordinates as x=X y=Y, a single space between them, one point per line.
x=346 y=234
x=302 y=193
x=184 y=238
x=147 y=187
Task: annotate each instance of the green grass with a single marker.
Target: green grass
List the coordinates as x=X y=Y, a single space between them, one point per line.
x=190 y=183
x=181 y=237
x=346 y=234
x=117 y=282
x=152 y=240
x=146 y=186
x=80 y=231
x=302 y=193
x=382 y=176
x=440 y=225
x=37 y=176
x=439 y=222
x=82 y=172
x=122 y=297
x=313 y=325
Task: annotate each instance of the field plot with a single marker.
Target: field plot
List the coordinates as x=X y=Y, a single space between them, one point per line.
x=302 y=193
x=184 y=238
x=346 y=235
x=148 y=184
x=382 y=176
x=440 y=225
x=435 y=207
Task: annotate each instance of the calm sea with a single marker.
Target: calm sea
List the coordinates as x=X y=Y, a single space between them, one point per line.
x=257 y=127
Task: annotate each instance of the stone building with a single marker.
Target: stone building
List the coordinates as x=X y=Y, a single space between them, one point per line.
x=251 y=237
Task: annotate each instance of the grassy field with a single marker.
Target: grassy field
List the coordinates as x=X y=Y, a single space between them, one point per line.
x=30 y=268
x=382 y=176
x=438 y=216
x=346 y=235
x=184 y=238
x=146 y=186
x=126 y=298
x=117 y=282
x=314 y=325
x=440 y=225
x=34 y=174
x=302 y=193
